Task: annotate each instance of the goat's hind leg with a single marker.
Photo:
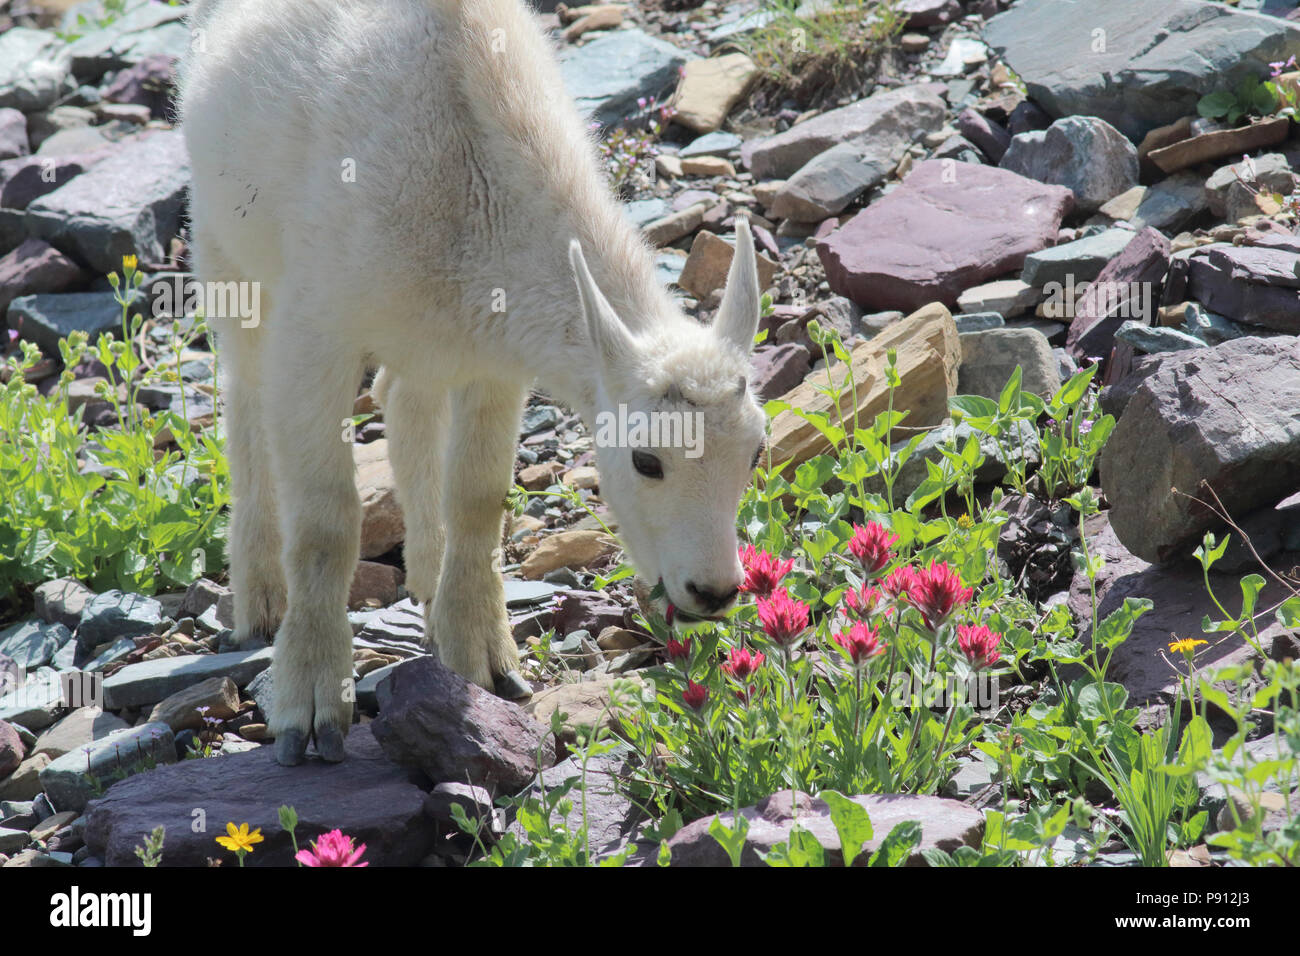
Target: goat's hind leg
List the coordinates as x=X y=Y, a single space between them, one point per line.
x=320 y=522
x=254 y=550
x=416 y=419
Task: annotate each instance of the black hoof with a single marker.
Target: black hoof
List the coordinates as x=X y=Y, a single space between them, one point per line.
x=512 y=686
x=290 y=748
x=329 y=744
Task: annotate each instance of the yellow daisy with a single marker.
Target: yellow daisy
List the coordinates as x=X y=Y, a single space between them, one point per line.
x=239 y=838
x=1187 y=645
x=129 y=263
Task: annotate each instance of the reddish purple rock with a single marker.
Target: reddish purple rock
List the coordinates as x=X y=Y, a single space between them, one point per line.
x=1258 y=285
x=1127 y=287
x=992 y=138
x=30 y=177
x=948 y=227
x=778 y=368
x=36 y=266
x=11 y=750
x=150 y=83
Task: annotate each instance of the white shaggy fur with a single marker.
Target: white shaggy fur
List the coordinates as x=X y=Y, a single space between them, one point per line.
x=451 y=260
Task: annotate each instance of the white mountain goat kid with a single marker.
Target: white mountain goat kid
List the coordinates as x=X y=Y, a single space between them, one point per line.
x=411 y=186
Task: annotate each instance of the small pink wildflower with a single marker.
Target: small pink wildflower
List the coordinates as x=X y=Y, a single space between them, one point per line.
x=783 y=618
x=332 y=849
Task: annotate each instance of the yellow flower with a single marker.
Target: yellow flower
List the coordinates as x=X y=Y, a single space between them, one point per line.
x=965 y=522
x=129 y=263
x=1187 y=645
x=239 y=838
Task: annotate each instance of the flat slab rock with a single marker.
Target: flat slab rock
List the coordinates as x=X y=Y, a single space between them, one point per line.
x=948 y=227
x=367 y=797
x=945 y=824
x=432 y=718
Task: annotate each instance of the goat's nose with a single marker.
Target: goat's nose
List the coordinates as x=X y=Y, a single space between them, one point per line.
x=709 y=598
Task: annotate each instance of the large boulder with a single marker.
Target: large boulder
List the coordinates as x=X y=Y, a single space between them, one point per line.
x=881 y=126
x=1226 y=415
x=1085 y=154
x=1135 y=65
x=948 y=227
x=33 y=69
x=127 y=204
x=367 y=797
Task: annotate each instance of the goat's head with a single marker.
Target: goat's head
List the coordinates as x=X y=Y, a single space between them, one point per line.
x=678 y=434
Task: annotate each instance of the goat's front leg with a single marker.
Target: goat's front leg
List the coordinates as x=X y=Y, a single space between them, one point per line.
x=320 y=523
x=468 y=620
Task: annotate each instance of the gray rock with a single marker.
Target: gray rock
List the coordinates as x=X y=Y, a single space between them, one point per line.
x=643 y=211
x=146 y=683
x=36 y=703
x=881 y=124
x=431 y=718
x=1007 y=297
x=79 y=729
x=945 y=825
x=73 y=779
x=960 y=149
x=1272 y=174
x=1225 y=415
x=523 y=593
x=1083 y=258
x=33 y=69
x=1210 y=327
x=30 y=177
x=110 y=652
x=1137 y=66
x=608 y=75
x=13 y=134
x=611 y=817
x=1085 y=154
x=964 y=53
x=44 y=319
x=1171 y=204
x=718 y=143
x=978 y=321
x=145 y=28
x=1150 y=339
x=366 y=797
x=42 y=126
x=32 y=643
x=115 y=614
x=989 y=358
x=828 y=182
x=129 y=203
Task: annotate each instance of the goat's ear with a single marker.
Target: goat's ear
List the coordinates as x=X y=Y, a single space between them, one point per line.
x=610 y=336
x=737 y=319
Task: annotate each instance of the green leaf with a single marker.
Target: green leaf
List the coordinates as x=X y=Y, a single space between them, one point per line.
x=852 y=823
x=1214 y=105
x=1072 y=392
x=973 y=406
x=898 y=845
x=1288 y=614
x=1010 y=391
x=732 y=838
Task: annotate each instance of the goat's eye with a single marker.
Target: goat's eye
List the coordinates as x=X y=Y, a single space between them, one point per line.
x=647 y=464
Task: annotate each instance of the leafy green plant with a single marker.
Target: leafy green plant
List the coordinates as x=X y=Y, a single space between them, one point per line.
x=150 y=852
x=138 y=506
x=1251 y=97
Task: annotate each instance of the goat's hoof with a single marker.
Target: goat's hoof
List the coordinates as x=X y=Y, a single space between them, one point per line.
x=512 y=686
x=290 y=748
x=329 y=744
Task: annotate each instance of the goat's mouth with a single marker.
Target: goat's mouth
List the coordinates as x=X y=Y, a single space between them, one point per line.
x=675 y=613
